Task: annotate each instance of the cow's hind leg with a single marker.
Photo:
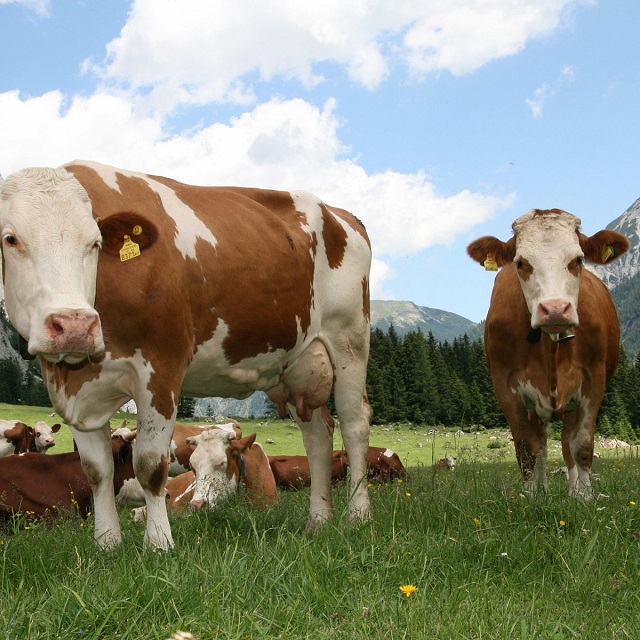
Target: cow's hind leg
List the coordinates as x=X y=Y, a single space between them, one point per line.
x=577 y=451
x=354 y=413
x=96 y=458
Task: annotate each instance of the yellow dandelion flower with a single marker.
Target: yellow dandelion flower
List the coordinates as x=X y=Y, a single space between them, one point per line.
x=562 y=523
x=408 y=589
x=407 y=494
x=632 y=503
x=400 y=481
x=476 y=521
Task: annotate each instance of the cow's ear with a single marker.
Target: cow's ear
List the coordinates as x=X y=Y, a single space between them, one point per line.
x=244 y=444
x=193 y=440
x=491 y=252
x=120 y=230
x=603 y=247
x=56 y=427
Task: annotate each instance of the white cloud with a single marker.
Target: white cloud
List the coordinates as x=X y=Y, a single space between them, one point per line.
x=199 y=51
x=541 y=94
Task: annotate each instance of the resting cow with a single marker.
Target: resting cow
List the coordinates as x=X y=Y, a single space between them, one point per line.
x=385 y=464
x=47 y=486
x=551 y=337
x=132 y=286
x=180 y=450
x=292 y=472
x=221 y=462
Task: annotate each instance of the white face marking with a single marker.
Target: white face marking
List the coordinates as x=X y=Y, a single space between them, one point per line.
x=43 y=436
x=209 y=463
x=50 y=244
x=545 y=247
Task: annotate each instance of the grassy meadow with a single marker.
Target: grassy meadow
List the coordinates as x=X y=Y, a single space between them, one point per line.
x=486 y=560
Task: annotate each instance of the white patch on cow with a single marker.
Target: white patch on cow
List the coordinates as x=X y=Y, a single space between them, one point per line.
x=548 y=243
x=189 y=228
x=179 y=498
x=209 y=369
x=388 y=453
x=131 y=494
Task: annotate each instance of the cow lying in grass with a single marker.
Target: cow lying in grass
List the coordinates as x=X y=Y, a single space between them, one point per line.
x=221 y=462
x=48 y=486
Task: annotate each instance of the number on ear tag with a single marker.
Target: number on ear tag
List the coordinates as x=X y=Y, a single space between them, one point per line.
x=129 y=249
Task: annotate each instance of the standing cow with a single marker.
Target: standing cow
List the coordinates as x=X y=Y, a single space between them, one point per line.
x=551 y=337
x=132 y=286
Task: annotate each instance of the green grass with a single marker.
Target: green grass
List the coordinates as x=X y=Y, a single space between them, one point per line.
x=487 y=561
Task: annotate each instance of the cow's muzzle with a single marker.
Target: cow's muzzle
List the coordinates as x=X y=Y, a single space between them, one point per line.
x=555 y=316
x=70 y=336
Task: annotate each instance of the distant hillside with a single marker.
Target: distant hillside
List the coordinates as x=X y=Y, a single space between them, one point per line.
x=408 y=316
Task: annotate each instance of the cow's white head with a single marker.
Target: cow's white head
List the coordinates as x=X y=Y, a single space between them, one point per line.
x=217 y=464
x=50 y=246
x=549 y=251
x=43 y=436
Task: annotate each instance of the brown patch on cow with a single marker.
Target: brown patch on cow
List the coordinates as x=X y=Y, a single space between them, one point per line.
x=366 y=299
x=334 y=237
x=355 y=223
x=114 y=230
x=70 y=377
x=152 y=474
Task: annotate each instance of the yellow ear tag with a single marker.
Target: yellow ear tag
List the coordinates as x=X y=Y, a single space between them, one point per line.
x=608 y=253
x=490 y=264
x=129 y=249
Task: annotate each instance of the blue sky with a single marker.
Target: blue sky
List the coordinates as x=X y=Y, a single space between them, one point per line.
x=434 y=122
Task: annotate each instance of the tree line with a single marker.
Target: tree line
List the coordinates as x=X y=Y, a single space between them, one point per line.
x=420 y=380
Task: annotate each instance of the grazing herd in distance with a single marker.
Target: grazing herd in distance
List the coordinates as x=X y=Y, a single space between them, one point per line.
x=551 y=339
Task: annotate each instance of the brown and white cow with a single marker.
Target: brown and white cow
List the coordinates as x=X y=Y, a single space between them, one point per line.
x=292 y=472
x=17 y=437
x=132 y=286
x=221 y=463
x=48 y=486
x=180 y=449
x=551 y=337
x=385 y=464
x=448 y=462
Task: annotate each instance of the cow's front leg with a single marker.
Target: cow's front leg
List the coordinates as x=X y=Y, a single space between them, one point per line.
x=151 y=466
x=530 y=440
x=96 y=458
x=577 y=451
x=317 y=436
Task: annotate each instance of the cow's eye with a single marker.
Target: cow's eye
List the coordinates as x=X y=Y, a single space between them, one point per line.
x=575 y=263
x=12 y=241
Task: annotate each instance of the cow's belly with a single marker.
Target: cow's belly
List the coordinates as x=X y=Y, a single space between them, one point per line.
x=547 y=403
x=209 y=374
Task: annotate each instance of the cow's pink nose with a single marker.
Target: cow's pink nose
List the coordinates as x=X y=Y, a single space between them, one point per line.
x=197 y=504
x=74 y=330
x=555 y=312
